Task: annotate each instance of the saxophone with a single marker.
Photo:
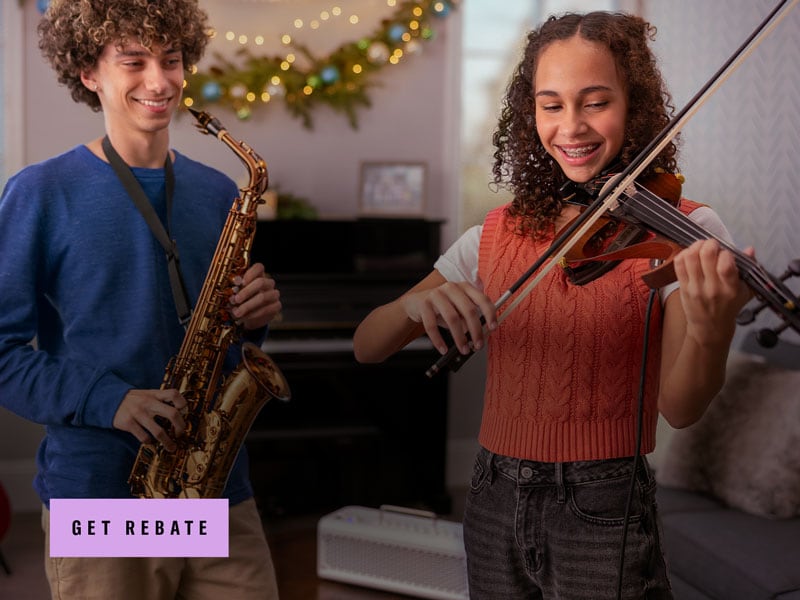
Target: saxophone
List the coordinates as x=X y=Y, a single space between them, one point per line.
x=221 y=410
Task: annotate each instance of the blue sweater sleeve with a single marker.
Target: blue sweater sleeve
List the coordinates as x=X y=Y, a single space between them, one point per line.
x=38 y=385
x=83 y=276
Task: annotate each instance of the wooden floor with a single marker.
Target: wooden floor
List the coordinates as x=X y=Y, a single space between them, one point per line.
x=294 y=550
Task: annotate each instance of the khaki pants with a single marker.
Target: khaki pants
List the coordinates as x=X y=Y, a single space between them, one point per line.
x=247 y=573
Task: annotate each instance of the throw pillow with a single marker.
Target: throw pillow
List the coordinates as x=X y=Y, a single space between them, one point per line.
x=745 y=450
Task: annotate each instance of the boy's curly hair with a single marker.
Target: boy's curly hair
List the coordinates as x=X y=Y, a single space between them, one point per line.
x=73 y=33
x=520 y=160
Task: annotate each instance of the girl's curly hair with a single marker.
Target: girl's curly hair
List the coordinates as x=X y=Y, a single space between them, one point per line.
x=520 y=160
x=73 y=33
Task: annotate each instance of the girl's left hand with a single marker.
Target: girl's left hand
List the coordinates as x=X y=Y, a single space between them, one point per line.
x=256 y=300
x=712 y=294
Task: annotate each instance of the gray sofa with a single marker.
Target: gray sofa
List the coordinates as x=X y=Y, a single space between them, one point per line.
x=716 y=552
x=729 y=486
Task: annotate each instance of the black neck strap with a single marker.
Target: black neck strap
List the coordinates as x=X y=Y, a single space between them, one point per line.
x=161 y=233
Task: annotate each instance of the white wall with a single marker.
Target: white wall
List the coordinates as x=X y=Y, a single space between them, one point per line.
x=412 y=115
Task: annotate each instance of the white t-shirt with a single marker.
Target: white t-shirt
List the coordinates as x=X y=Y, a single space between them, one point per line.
x=460 y=261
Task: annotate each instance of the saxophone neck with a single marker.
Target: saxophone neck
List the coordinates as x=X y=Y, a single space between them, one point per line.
x=259 y=176
x=256 y=166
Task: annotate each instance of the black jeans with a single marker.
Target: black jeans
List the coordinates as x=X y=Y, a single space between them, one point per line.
x=554 y=531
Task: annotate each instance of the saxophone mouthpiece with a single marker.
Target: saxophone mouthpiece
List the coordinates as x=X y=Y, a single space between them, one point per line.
x=207 y=123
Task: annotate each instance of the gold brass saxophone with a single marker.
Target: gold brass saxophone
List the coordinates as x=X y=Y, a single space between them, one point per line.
x=221 y=409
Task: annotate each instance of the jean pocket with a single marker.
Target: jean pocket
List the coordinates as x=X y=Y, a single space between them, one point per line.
x=481 y=473
x=603 y=502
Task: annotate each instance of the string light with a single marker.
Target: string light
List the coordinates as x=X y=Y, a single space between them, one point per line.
x=298 y=23
x=341 y=79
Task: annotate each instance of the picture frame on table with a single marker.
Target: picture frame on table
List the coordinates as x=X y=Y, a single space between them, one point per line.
x=392 y=189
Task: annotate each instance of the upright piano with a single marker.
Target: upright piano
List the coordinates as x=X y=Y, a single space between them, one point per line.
x=352 y=433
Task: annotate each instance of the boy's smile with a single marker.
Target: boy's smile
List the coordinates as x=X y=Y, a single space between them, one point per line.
x=139 y=90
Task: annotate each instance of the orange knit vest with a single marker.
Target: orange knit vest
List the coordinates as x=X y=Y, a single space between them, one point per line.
x=564 y=368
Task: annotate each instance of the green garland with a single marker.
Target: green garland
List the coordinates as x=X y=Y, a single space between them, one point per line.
x=340 y=80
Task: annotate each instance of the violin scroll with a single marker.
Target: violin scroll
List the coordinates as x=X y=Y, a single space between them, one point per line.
x=767 y=337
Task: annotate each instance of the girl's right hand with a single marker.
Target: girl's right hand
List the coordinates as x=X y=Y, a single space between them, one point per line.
x=457 y=307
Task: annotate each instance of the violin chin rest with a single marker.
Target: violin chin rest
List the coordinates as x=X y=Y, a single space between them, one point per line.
x=660 y=276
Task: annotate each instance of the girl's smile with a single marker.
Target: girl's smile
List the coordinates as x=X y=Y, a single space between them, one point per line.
x=581 y=106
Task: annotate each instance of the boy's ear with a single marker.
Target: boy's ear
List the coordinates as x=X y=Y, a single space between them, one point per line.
x=88 y=81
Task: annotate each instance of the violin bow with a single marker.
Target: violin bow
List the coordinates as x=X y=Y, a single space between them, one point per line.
x=615 y=187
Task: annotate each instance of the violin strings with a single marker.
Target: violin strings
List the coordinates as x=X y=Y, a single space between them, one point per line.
x=673 y=223
x=666 y=216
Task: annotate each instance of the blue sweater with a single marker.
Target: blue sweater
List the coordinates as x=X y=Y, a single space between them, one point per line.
x=81 y=272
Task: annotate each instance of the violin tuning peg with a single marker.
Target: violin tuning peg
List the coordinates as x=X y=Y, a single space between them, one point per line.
x=748 y=315
x=767 y=338
x=745 y=316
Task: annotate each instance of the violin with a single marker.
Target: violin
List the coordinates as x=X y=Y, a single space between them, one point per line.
x=648 y=224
